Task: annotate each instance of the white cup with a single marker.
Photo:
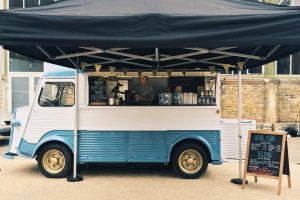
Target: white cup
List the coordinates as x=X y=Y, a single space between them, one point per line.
x=111 y=101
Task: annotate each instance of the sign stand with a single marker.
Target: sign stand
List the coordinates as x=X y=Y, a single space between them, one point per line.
x=267 y=157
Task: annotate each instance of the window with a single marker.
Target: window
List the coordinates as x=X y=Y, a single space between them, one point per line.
x=28 y=3
x=289 y=65
x=15 y=4
x=256 y=70
x=19 y=63
x=20 y=92
x=296 y=63
x=31 y=3
x=57 y=95
x=43 y=2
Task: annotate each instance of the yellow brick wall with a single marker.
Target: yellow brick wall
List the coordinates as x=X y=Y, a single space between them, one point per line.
x=288 y=103
x=270 y=101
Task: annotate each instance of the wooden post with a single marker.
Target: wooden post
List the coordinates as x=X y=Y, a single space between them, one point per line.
x=246 y=161
x=289 y=181
x=281 y=163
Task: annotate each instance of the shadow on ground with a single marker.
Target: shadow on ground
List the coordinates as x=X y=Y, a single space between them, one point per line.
x=125 y=170
x=100 y=170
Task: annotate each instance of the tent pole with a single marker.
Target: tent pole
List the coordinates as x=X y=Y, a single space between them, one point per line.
x=240 y=121
x=239 y=180
x=75 y=177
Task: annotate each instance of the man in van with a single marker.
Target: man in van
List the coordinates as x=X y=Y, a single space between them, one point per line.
x=143 y=91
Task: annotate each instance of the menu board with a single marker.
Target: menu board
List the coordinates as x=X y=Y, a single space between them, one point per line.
x=97 y=90
x=264 y=154
x=267 y=156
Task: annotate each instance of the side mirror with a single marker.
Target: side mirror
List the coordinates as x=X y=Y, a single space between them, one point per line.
x=15 y=123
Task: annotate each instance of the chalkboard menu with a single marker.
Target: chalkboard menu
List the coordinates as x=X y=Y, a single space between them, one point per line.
x=264 y=154
x=188 y=83
x=267 y=156
x=97 y=90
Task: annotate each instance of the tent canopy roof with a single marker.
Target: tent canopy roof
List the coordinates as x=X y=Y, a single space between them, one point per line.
x=153 y=34
x=166 y=7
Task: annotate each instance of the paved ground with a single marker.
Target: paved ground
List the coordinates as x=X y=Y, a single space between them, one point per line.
x=20 y=179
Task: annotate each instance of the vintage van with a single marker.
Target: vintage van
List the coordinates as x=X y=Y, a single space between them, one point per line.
x=186 y=137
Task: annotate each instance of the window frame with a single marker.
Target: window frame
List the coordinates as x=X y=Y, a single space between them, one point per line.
x=59 y=95
x=231 y=72
x=24 y=3
x=290 y=65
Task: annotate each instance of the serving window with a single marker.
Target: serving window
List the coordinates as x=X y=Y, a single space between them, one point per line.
x=166 y=91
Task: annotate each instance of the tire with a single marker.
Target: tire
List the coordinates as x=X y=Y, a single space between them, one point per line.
x=55 y=161
x=189 y=161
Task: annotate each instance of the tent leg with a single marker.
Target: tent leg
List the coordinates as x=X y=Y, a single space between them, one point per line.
x=75 y=177
x=239 y=180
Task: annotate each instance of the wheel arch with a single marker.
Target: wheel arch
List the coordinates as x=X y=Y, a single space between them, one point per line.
x=200 y=141
x=42 y=145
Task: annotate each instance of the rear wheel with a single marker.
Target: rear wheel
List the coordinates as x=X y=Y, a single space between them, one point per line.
x=55 y=161
x=189 y=161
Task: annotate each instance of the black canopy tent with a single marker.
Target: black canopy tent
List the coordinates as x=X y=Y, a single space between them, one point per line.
x=149 y=34
x=153 y=34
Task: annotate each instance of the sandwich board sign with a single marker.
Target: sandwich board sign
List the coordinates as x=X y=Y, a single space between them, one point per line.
x=267 y=157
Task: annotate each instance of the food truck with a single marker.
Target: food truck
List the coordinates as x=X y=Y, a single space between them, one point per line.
x=180 y=127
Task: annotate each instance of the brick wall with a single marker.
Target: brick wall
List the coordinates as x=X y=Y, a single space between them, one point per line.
x=273 y=102
x=3 y=97
x=288 y=101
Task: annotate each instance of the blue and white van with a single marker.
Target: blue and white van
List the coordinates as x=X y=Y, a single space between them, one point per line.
x=187 y=137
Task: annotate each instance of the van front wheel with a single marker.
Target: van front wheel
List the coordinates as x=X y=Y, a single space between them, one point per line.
x=189 y=161
x=55 y=161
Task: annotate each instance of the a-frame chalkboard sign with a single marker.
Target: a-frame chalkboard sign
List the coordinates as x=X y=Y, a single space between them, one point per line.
x=267 y=157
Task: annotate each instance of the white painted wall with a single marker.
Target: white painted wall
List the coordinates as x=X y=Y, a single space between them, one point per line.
x=296 y=3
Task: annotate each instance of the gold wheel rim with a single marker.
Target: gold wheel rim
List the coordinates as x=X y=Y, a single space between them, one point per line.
x=53 y=161
x=190 y=161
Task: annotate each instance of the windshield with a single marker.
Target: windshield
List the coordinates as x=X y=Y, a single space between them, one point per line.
x=55 y=94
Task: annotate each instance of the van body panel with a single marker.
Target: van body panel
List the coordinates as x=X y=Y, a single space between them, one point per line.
x=148 y=118
x=126 y=146
x=17 y=132
x=64 y=137
x=140 y=146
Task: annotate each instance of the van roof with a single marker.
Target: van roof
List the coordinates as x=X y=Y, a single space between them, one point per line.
x=60 y=74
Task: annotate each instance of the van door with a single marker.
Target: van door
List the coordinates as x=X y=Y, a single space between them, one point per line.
x=53 y=109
